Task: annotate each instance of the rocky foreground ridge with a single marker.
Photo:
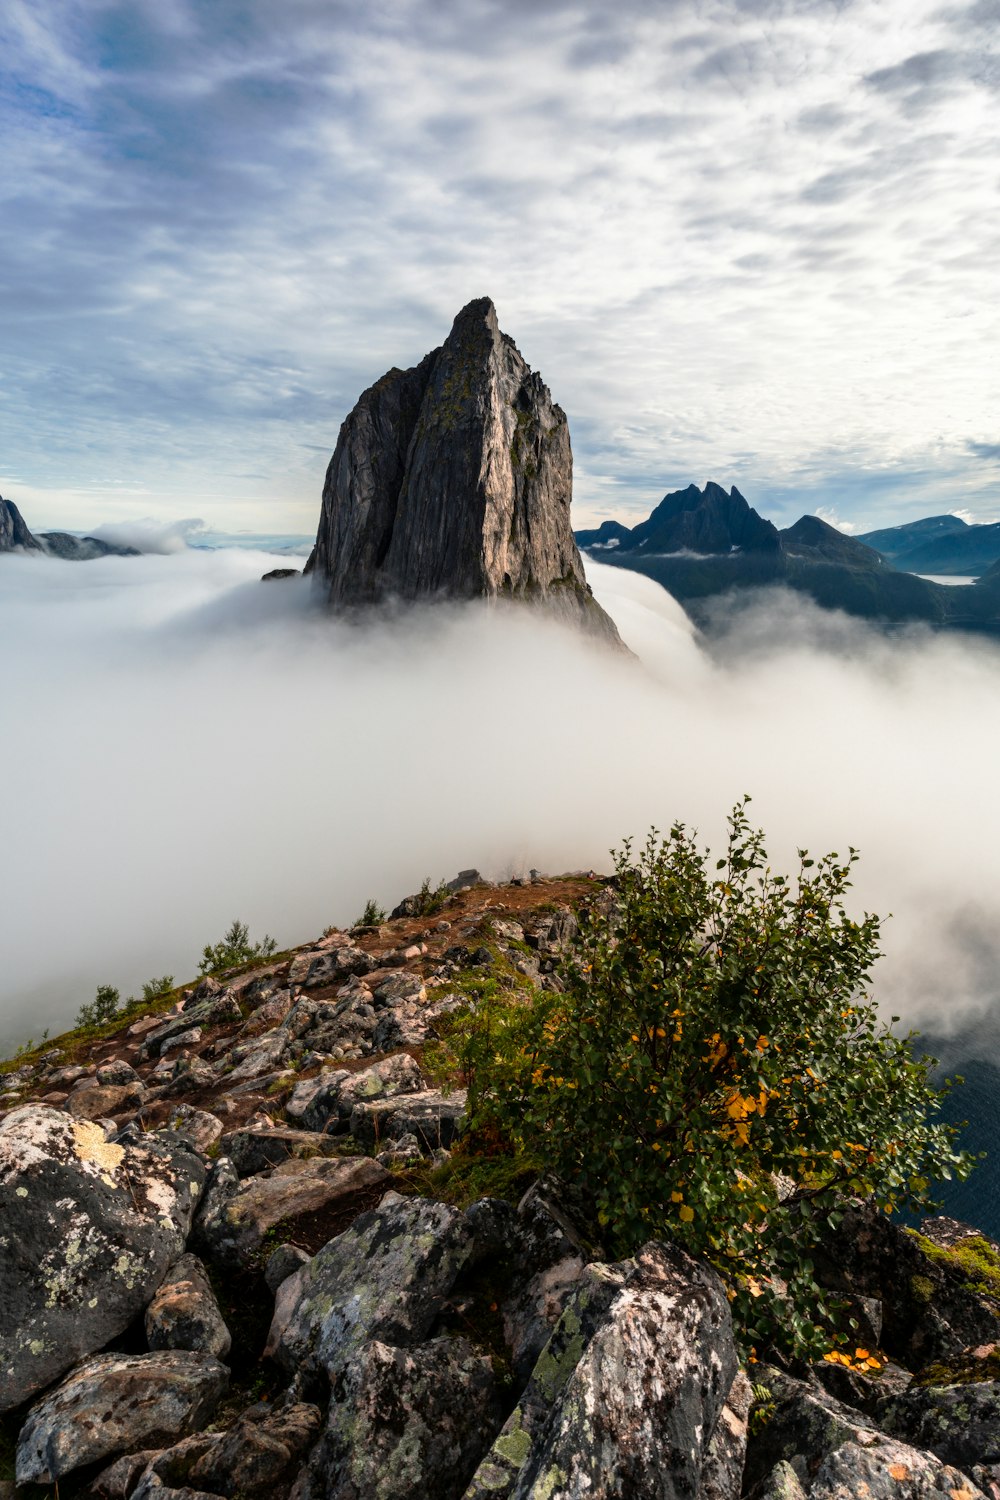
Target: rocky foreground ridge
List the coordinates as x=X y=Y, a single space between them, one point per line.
x=245 y=1253
x=454 y=480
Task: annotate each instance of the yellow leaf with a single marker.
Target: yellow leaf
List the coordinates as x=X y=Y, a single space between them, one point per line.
x=686 y=1214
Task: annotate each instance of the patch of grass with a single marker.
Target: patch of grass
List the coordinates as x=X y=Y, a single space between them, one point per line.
x=474 y=1170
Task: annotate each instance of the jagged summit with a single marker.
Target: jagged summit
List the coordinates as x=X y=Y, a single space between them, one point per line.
x=14 y=529
x=454 y=479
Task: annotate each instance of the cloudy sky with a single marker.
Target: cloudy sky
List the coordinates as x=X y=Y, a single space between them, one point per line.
x=748 y=240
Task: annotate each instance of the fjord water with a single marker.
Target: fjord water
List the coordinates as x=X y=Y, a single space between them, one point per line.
x=184 y=744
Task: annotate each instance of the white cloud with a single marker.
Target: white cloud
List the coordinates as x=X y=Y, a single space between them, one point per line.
x=186 y=745
x=747 y=241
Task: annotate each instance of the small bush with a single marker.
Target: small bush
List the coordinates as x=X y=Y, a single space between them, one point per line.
x=429 y=902
x=154 y=988
x=715 y=1034
x=103 y=1007
x=234 y=948
x=372 y=915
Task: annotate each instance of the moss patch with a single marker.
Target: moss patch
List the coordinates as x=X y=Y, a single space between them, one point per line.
x=974 y=1258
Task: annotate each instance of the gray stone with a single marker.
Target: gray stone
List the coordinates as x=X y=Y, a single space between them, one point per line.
x=97 y=1102
x=455 y=478
x=304 y=1197
x=626 y=1396
x=722 y=1475
x=197 y=1126
x=88 y=1228
x=254 y=1150
x=434 y=1118
x=843 y=1450
x=284 y=1262
x=257 y=1458
x=406 y=1422
x=384 y=1278
x=116 y=1403
x=960 y=1423
x=184 y=1313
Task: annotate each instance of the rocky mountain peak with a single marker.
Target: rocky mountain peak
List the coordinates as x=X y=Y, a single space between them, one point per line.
x=454 y=479
x=14 y=530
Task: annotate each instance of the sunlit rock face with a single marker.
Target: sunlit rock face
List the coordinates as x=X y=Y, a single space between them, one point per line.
x=454 y=480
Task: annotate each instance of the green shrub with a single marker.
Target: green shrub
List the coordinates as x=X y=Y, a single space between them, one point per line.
x=235 y=948
x=430 y=901
x=714 y=1034
x=103 y=1007
x=372 y=915
x=154 y=988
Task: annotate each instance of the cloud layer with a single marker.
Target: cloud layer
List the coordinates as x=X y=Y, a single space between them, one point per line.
x=742 y=239
x=185 y=745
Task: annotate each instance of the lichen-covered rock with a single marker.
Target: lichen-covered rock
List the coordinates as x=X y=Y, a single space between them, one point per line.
x=384 y=1278
x=184 y=1313
x=334 y=1093
x=455 y=478
x=547 y=1258
x=936 y=1300
x=257 y=1458
x=301 y=1196
x=839 y=1452
x=783 y=1483
x=627 y=1394
x=960 y=1423
x=87 y=1229
x=197 y=1126
x=722 y=1475
x=407 y=1422
x=434 y=1118
x=887 y=1470
x=117 y=1403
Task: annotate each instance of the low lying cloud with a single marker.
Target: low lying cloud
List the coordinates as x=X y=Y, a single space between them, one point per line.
x=186 y=745
x=151 y=535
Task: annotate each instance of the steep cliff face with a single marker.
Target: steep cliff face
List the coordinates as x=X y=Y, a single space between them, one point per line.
x=13 y=531
x=454 y=479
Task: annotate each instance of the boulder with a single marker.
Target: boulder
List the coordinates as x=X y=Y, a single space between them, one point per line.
x=838 y=1452
x=99 y=1102
x=384 y=1278
x=257 y=1458
x=547 y=1258
x=310 y=1200
x=960 y=1423
x=117 y=1403
x=198 y=1127
x=434 y=1118
x=627 y=1394
x=421 y=1416
x=722 y=1476
x=88 y=1228
x=282 y=1263
x=254 y=1150
x=184 y=1313
x=936 y=1300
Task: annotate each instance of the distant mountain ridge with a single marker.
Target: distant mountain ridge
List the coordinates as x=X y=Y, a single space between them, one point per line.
x=701 y=543
x=15 y=536
x=939 y=544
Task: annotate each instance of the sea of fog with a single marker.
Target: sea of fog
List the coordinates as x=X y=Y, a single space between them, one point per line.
x=183 y=745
